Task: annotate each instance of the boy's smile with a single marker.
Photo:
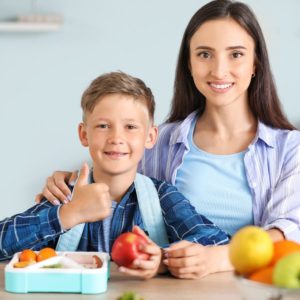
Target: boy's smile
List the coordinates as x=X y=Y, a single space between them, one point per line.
x=117 y=132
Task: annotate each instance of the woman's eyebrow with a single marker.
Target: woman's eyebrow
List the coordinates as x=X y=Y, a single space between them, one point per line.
x=227 y=48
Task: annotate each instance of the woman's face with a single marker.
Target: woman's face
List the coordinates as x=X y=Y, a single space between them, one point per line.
x=222 y=61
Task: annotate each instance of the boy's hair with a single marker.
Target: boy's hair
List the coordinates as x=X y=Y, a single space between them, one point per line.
x=117 y=83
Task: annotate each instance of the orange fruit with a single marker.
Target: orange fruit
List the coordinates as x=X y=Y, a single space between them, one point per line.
x=263 y=275
x=23 y=264
x=46 y=253
x=27 y=255
x=282 y=248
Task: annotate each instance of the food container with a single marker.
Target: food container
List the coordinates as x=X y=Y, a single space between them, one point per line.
x=68 y=272
x=250 y=290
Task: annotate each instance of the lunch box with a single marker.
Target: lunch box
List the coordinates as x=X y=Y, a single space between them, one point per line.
x=68 y=272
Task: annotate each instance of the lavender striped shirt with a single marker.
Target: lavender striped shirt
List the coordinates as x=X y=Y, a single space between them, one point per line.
x=272 y=164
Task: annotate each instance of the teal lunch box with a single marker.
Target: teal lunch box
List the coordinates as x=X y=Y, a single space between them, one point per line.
x=68 y=272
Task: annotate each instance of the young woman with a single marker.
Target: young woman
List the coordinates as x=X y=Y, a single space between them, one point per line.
x=227 y=146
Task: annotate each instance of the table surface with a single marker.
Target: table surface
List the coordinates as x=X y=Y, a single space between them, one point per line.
x=162 y=287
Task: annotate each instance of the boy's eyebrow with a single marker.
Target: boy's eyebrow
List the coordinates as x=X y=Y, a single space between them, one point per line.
x=227 y=48
x=108 y=119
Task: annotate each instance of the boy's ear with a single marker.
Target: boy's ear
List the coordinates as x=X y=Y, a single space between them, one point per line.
x=152 y=137
x=83 y=135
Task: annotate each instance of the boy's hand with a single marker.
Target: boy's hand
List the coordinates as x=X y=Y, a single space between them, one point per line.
x=145 y=268
x=90 y=202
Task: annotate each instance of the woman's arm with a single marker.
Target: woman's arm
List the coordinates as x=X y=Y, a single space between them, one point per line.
x=190 y=261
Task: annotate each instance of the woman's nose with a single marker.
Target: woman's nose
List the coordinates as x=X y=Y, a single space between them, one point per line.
x=219 y=68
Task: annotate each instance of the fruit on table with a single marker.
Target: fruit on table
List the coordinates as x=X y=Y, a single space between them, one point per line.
x=27 y=255
x=130 y=296
x=287 y=271
x=126 y=249
x=23 y=264
x=45 y=253
x=264 y=275
x=250 y=249
x=282 y=248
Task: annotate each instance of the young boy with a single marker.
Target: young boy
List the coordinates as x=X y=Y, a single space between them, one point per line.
x=117 y=126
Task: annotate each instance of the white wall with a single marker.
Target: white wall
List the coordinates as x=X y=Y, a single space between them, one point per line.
x=42 y=75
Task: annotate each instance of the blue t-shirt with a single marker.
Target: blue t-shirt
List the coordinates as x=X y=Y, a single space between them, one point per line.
x=217 y=186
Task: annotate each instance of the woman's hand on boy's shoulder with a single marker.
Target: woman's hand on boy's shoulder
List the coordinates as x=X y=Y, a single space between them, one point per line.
x=56 y=189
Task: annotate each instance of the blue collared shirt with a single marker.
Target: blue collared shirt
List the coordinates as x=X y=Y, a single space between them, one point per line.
x=272 y=165
x=39 y=226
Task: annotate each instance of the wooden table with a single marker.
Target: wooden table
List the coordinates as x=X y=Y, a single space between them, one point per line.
x=213 y=287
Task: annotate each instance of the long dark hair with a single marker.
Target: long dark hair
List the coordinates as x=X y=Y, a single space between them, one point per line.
x=263 y=98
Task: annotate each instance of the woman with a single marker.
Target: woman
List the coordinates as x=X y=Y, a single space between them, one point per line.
x=227 y=146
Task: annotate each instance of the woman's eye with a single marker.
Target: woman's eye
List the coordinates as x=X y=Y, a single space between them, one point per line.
x=204 y=54
x=237 y=54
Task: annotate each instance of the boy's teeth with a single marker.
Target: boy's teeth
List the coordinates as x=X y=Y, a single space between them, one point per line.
x=221 y=86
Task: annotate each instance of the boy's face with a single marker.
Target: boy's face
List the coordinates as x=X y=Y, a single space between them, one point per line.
x=117 y=133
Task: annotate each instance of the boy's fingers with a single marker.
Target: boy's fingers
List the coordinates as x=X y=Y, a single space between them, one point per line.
x=139 y=231
x=151 y=249
x=83 y=175
x=144 y=264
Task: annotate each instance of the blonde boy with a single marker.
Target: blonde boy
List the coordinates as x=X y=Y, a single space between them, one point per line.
x=117 y=127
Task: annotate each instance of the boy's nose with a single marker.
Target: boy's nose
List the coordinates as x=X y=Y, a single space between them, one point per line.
x=116 y=137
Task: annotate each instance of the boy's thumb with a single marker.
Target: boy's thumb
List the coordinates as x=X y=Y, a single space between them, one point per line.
x=83 y=175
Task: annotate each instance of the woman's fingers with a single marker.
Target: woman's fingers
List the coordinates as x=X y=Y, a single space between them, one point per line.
x=58 y=182
x=183 y=249
x=181 y=262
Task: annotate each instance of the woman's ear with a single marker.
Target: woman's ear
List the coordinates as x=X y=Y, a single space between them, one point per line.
x=152 y=137
x=83 y=135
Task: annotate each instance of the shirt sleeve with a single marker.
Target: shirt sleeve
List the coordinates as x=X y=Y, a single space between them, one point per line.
x=283 y=207
x=35 y=228
x=184 y=223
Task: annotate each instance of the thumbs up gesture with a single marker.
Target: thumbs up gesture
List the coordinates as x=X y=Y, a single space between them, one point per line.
x=90 y=202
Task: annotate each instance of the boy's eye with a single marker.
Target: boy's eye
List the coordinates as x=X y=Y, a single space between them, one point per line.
x=102 y=126
x=131 y=126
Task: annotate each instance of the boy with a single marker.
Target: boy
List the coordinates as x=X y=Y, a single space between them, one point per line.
x=117 y=126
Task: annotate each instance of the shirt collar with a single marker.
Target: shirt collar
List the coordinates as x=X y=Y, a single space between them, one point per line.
x=265 y=134
x=180 y=134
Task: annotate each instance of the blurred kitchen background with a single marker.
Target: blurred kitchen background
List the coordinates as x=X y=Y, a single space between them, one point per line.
x=44 y=69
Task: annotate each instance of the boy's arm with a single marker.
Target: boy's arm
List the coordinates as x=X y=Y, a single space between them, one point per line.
x=190 y=257
x=35 y=228
x=184 y=223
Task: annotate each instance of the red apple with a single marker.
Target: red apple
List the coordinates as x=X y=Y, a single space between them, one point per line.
x=126 y=249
